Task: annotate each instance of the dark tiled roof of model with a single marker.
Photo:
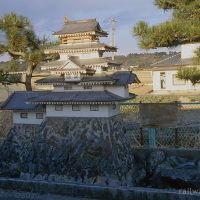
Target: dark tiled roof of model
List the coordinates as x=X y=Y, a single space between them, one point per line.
x=173 y=61
x=125 y=77
x=79 y=26
x=71 y=47
x=17 y=101
x=118 y=78
x=78 y=96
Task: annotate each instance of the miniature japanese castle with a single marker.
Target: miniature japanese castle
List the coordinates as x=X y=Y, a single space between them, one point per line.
x=83 y=82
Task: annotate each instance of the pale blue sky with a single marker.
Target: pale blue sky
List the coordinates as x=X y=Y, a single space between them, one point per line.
x=47 y=16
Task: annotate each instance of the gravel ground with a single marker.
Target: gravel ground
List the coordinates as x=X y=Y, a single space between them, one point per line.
x=16 y=195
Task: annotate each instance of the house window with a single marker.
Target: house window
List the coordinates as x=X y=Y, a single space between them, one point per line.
x=24 y=115
x=76 y=108
x=94 y=107
x=58 y=107
x=67 y=87
x=177 y=81
x=39 y=116
x=87 y=87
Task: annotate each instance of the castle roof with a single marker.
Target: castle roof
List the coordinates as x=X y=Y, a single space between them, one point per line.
x=17 y=101
x=81 y=26
x=80 y=47
x=77 y=97
x=82 y=63
x=117 y=78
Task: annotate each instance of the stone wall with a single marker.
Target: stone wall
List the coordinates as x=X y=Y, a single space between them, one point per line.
x=5 y=123
x=92 y=150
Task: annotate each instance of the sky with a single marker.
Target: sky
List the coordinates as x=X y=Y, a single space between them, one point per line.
x=47 y=16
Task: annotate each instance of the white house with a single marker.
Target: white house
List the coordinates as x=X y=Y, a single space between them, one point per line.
x=164 y=72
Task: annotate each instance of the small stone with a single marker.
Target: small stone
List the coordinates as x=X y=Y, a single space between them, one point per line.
x=25 y=176
x=155 y=158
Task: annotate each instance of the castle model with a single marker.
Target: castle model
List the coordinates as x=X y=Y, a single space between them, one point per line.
x=83 y=82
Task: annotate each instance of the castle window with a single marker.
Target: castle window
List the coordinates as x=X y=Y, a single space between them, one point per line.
x=87 y=87
x=67 y=87
x=76 y=108
x=58 y=107
x=24 y=115
x=39 y=116
x=94 y=107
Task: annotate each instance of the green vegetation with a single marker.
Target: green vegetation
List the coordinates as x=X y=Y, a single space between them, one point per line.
x=189 y=74
x=184 y=27
x=22 y=44
x=142 y=59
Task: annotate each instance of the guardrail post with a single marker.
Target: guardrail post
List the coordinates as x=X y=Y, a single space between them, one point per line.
x=152 y=137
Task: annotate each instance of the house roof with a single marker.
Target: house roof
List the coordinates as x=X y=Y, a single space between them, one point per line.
x=79 y=26
x=172 y=63
x=74 y=97
x=80 y=46
x=117 y=78
x=17 y=101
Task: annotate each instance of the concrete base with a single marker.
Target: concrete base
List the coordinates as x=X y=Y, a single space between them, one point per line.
x=95 y=192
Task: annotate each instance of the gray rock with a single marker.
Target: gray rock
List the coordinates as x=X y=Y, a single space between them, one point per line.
x=187 y=165
x=175 y=161
x=25 y=176
x=163 y=166
x=139 y=176
x=154 y=159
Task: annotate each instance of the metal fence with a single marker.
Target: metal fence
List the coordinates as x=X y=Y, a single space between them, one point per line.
x=186 y=133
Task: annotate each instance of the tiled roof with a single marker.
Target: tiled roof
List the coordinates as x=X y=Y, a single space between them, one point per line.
x=118 y=78
x=79 y=26
x=82 y=46
x=172 y=62
x=76 y=97
x=17 y=101
x=125 y=77
x=60 y=64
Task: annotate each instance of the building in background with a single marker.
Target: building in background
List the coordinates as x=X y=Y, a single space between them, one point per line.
x=164 y=72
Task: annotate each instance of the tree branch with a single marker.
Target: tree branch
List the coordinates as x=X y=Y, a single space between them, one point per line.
x=16 y=53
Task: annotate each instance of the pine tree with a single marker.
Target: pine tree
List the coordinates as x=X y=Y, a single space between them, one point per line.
x=184 y=27
x=21 y=44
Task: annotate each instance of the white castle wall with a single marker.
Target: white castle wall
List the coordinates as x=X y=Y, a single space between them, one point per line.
x=30 y=120
x=78 y=88
x=104 y=111
x=121 y=91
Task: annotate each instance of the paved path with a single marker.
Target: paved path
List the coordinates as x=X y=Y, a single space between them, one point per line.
x=16 y=195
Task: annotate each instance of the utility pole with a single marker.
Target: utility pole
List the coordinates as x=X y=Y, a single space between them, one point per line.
x=113 y=22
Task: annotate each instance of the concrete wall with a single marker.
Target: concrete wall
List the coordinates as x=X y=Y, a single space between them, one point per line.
x=30 y=120
x=95 y=191
x=104 y=111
